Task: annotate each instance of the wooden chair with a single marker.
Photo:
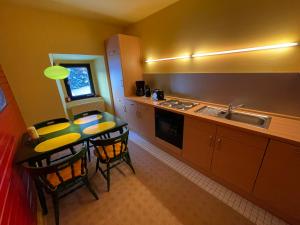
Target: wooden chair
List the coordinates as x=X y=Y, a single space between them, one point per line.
x=112 y=152
x=62 y=178
x=52 y=122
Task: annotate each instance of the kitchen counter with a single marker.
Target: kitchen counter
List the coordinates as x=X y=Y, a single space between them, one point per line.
x=283 y=128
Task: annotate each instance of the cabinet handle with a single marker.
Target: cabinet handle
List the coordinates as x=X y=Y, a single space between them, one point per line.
x=131 y=103
x=210 y=141
x=219 y=140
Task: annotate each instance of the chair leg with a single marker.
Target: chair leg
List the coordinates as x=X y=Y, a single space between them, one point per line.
x=88 y=150
x=108 y=176
x=87 y=183
x=129 y=163
x=42 y=198
x=72 y=150
x=56 y=208
x=97 y=164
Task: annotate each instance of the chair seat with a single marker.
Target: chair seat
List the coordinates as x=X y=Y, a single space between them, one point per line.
x=109 y=150
x=65 y=173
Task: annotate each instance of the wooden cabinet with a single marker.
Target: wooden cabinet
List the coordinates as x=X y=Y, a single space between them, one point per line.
x=140 y=118
x=124 y=63
x=278 y=182
x=120 y=109
x=198 y=142
x=131 y=115
x=146 y=122
x=237 y=157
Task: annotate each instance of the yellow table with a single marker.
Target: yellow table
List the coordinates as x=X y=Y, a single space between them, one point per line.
x=87 y=119
x=57 y=142
x=53 y=128
x=99 y=127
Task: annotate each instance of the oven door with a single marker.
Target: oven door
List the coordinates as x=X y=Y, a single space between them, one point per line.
x=169 y=127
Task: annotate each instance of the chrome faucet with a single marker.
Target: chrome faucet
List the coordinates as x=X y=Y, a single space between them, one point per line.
x=231 y=107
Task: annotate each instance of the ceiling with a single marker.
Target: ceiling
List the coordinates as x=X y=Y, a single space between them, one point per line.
x=118 y=11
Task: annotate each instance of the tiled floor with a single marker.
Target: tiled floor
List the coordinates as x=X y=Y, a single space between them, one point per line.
x=252 y=212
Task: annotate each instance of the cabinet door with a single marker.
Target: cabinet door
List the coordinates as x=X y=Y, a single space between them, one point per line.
x=120 y=109
x=114 y=63
x=278 y=182
x=131 y=115
x=116 y=76
x=237 y=157
x=130 y=53
x=198 y=141
x=146 y=121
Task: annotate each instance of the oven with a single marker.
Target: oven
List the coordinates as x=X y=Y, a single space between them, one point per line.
x=169 y=127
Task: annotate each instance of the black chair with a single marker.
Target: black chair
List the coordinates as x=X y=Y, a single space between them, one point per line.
x=112 y=152
x=102 y=136
x=87 y=113
x=62 y=178
x=49 y=123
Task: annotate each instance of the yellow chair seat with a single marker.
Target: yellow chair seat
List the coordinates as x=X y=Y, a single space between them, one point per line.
x=109 y=150
x=65 y=173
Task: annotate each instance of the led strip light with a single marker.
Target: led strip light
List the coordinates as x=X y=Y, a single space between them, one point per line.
x=268 y=47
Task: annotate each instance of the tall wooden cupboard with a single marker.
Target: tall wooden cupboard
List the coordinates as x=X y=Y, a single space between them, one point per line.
x=123 y=54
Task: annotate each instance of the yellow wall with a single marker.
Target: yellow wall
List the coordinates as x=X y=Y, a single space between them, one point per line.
x=27 y=36
x=191 y=26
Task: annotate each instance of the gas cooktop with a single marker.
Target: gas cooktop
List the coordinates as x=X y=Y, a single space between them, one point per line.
x=178 y=104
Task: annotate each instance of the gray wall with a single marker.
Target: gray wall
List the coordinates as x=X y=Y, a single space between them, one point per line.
x=279 y=93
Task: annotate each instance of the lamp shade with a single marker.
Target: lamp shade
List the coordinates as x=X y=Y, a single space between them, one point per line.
x=56 y=72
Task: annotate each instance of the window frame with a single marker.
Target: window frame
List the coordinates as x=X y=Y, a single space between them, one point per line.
x=66 y=81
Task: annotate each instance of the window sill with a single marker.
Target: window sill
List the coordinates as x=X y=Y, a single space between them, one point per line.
x=83 y=101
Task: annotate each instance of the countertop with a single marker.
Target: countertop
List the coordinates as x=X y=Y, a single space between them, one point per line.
x=282 y=127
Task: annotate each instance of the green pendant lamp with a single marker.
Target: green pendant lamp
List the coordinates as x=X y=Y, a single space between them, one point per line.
x=56 y=72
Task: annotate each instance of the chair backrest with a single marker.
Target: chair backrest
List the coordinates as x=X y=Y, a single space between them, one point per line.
x=118 y=145
x=50 y=122
x=88 y=113
x=41 y=172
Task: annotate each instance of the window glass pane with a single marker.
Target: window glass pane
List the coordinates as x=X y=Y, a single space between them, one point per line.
x=79 y=81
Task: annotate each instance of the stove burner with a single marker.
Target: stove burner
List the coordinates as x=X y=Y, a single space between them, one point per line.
x=173 y=101
x=178 y=107
x=188 y=104
x=176 y=104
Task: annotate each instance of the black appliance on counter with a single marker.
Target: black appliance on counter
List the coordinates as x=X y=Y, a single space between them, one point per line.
x=147 y=91
x=158 y=95
x=169 y=127
x=140 y=88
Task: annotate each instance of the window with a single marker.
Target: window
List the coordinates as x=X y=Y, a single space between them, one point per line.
x=79 y=83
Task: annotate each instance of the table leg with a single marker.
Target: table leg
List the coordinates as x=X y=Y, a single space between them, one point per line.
x=39 y=190
x=42 y=198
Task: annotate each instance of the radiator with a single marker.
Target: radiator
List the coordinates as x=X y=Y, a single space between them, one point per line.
x=84 y=105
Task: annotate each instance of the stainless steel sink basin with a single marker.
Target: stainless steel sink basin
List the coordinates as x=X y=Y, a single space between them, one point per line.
x=249 y=118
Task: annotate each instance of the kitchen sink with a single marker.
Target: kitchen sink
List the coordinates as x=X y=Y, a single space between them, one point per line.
x=248 y=118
